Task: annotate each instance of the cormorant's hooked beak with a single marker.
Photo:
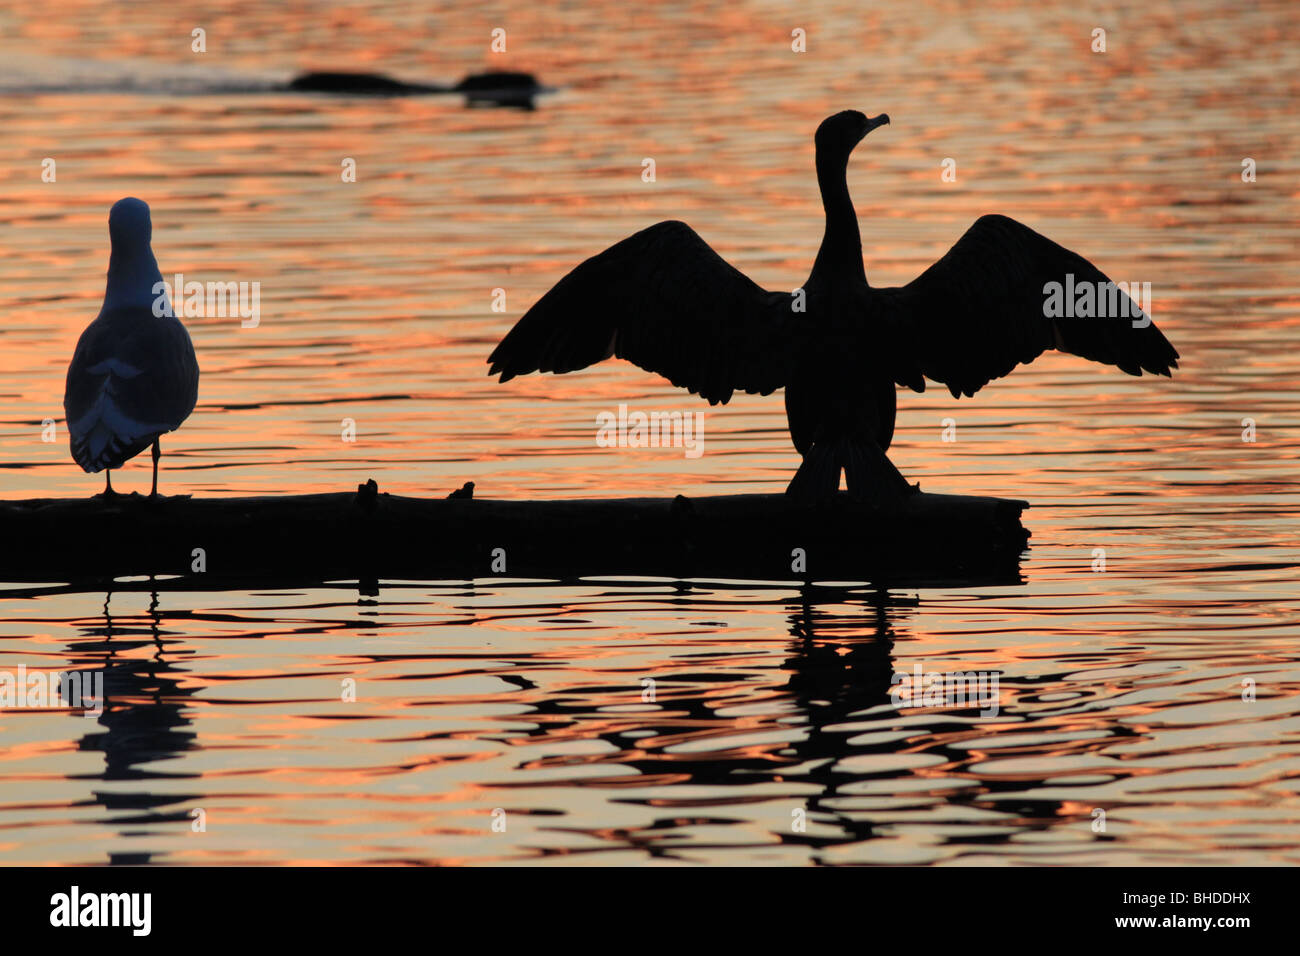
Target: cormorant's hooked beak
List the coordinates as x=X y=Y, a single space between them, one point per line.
x=874 y=121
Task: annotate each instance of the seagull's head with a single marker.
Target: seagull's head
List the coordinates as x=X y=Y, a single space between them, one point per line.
x=838 y=134
x=128 y=222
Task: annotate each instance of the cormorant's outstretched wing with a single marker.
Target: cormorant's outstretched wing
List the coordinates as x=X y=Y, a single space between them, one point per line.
x=980 y=311
x=663 y=299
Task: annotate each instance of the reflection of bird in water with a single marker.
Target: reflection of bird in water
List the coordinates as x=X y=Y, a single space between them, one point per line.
x=143 y=722
x=832 y=677
x=840 y=665
x=664 y=300
x=134 y=375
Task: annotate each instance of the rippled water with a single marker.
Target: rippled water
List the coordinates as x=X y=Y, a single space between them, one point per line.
x=1119 y=690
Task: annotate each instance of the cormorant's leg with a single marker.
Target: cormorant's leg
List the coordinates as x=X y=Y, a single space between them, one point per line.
x=108 y=483
x=157 y=453
x=870 y=476
x=818 y=479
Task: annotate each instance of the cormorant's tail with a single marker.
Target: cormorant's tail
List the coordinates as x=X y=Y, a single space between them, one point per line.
x=818 y=477
x=869 y=474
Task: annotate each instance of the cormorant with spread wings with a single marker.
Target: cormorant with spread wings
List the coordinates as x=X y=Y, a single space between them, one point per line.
x=664 y=300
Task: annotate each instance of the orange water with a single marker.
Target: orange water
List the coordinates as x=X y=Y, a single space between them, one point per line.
x=1119 y=691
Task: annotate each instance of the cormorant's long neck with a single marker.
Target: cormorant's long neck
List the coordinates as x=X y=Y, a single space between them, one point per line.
x=840 y=257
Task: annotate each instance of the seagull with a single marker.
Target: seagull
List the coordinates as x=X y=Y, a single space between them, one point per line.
x=133 y=375
x=665 y=301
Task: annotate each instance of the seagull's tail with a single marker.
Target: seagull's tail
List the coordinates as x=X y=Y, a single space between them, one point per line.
x=102 y=448
x=105 y=437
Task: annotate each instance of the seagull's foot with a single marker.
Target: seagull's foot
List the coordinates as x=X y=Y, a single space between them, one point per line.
x=150 y=499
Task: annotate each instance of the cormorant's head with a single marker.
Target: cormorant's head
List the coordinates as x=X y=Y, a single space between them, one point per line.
x=128 y=222
x=841 y=132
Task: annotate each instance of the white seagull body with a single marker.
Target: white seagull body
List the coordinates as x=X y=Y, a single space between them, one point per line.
x=134 y=375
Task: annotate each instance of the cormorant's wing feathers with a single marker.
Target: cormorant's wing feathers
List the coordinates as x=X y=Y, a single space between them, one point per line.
x=979 y=311
x=664 y=300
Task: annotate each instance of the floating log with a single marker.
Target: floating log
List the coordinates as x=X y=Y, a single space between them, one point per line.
x=359 y=84
x=494 y=88
x=369 y=536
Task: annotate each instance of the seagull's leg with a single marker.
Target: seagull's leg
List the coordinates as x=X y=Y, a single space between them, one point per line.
x=157 y=453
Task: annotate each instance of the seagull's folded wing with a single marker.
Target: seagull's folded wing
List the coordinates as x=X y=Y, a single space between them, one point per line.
x=664 y=300
x=983 y=309
x=133 y=377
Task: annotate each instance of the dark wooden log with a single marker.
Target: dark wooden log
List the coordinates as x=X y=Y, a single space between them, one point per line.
x=494 y=88
x=359 y=84
x=367 y=536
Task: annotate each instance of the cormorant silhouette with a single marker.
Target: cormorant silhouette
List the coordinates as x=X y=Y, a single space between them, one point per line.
x=664 y=300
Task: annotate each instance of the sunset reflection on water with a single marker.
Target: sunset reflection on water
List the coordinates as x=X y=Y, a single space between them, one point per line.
x=1119 y=690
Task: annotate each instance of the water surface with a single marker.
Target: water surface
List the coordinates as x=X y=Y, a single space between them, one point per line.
x=1119 y=690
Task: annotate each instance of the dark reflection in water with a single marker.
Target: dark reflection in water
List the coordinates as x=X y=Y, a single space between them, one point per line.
x=143 y=723
x=772 y=735
x=832 y=678
x=840 y=665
